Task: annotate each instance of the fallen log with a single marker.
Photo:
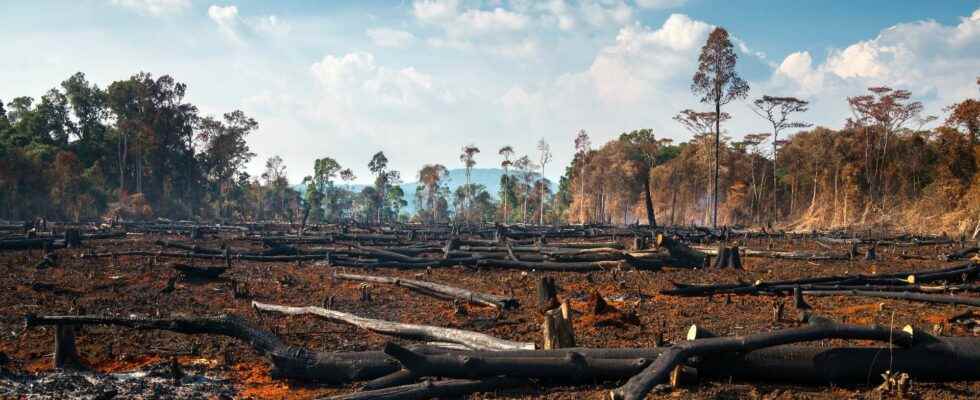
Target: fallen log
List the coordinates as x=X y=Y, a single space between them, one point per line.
x=911 y=296
x=785 y=255
x=195 y=272
x=451 y=388
x=572 y=367
x=659 y=371
x=960 y=356
x=580 y=266
x=962 y=273
x=438 y=290
x=473 y=340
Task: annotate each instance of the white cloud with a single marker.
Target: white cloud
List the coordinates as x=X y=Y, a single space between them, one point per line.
x=387 y=37
x=227 y=19
x=435 y=11
x=270 y=25
x=524 y=49
x=926 y=57
x=476 y=21
x=603 y=13
x=154 y=7
x=660 y=4
x=237 y=28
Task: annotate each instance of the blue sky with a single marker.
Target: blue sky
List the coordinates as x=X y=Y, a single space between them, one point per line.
x=420 y=79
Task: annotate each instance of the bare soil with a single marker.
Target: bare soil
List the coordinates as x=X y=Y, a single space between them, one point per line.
x=132 y=285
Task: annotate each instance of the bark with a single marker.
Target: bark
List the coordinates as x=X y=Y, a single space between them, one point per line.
x=570 y=367
x=473 y=340
x=786 y=255
x=648 y=201
x=910 y=296
x=451 y=388
x=658 y=372
x=959 y=356
x=438 y=290
x=204 y=273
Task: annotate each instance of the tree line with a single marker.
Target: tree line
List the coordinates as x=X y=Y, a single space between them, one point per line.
x=137 y=150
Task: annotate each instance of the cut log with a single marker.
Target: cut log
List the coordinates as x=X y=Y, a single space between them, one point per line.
x=658 y=372
x=451 y=388
x=473 y=340
x=960 y=356
x=202 y=273
x=571 y=366
x=438 y=290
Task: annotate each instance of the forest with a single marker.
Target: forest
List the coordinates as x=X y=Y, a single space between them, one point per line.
x=137 y=150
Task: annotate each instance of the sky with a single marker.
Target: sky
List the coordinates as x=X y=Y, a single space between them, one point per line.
x=421 y=79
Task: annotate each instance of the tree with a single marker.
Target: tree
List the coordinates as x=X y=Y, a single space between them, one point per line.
x=640 y=147
x=506 y=152
x=468 y=157
x=347 y=175
x=225 y=153
x=526 y=168
x=777 y=111
x=544 y=158
x=324 y=171
x=379 y=167
x=582 y=147
x=276 y=182
x=966 y=114
x=881 y=114
x=431 y=178
x=717 y=83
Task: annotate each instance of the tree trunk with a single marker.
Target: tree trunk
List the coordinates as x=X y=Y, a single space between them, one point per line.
x=469 y=339
x=648 y=197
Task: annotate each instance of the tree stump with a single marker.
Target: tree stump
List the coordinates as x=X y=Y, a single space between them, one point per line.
x=547 y=294
x=65 y=352
x=557 y=328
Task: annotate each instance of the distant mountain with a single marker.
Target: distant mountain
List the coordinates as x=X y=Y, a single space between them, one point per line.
x=489 y=177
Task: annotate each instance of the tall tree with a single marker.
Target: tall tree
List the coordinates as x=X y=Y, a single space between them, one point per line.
x=431 y=178
x=526 y=168
x=582 y=147
x=641 y=149
x=379 y=167
x=881 y=114
x=468 y=158
x=544 y=157
x=777 y=110
x=506 y=152
x=717 y=83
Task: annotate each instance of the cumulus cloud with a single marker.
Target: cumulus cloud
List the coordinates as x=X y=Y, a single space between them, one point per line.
x=435 y=11
x=926 y=57
x=154 y=7
x=387 y=37
x=660 y=4
x=236 y=28
x=227 y=19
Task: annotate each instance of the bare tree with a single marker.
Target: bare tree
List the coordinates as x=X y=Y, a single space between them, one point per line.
x=718 y=83
x=777 y=111
x=702 y=123
x=506 y=152
x=544 y=158
x=582 y=146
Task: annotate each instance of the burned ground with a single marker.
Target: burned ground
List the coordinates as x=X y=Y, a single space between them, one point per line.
x=136 y=285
